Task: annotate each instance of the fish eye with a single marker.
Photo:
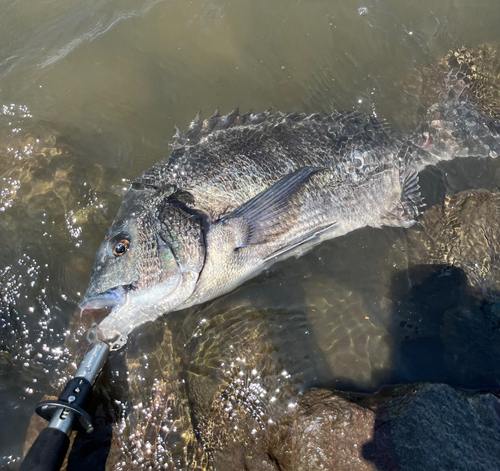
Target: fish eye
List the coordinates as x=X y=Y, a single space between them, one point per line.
x=119 y=244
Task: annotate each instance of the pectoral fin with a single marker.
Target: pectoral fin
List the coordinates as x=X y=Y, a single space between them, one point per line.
x=271 y=213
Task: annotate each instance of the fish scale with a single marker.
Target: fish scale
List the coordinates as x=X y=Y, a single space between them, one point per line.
x=250 y=189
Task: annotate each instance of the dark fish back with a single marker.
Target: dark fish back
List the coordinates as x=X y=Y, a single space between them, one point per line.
x=230 y=159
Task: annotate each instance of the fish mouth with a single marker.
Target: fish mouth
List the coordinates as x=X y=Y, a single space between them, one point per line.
x=106 y=300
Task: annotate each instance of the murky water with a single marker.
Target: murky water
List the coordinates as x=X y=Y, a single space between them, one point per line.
x=89 y=92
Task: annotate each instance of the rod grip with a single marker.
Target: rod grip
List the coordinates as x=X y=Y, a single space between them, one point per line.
x=47 y=452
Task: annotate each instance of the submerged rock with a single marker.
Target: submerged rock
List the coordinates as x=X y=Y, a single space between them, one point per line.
x=212 y=394
x=433 y=317
x=465 y=233
x=402 y=428
x=405 y=428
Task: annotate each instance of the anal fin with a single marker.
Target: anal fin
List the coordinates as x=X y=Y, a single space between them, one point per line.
x=411 y=198
x=410 y=204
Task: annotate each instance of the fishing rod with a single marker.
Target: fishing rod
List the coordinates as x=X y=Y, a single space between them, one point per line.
x=68 y=412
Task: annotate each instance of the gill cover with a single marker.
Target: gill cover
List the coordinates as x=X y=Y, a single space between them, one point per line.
x=147 y=265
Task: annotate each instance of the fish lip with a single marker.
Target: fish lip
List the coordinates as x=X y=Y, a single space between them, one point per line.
x=109 y=299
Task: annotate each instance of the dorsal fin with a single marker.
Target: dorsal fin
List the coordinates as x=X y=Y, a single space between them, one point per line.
x=200 y=128
x=216 y=141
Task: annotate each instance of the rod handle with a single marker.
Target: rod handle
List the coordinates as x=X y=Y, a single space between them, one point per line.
x=47 y=452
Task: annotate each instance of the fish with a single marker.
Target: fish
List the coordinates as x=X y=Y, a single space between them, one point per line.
x=240 y=192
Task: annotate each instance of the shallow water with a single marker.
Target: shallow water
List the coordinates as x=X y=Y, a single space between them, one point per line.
x=90 y=91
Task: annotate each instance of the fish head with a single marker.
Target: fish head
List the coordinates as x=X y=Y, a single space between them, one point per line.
x=147 y=265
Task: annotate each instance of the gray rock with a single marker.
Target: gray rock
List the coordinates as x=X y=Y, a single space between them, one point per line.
x=407 y=428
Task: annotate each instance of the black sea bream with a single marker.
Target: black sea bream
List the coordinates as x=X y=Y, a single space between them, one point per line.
x=239 y=192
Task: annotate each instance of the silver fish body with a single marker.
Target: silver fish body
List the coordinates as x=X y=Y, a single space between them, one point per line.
x=242 y=191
